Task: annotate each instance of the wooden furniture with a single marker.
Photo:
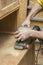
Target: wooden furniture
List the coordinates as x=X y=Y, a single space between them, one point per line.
x=12 y=14
x=14 y=20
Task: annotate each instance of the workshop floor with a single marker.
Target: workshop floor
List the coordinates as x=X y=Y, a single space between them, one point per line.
x=40 y=55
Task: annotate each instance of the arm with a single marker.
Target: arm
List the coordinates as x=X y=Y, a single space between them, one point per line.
x=35 y=9
x=37 y=34
x=24 y=34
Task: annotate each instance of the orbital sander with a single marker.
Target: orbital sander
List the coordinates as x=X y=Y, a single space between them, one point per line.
x=20 y=45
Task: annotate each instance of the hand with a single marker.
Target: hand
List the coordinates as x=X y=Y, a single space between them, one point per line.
x=26 y=22
x=23 y=34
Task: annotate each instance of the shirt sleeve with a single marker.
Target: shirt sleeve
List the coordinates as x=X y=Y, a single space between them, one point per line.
x=40 y=2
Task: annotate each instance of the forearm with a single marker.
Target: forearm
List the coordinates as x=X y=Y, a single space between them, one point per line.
x=37 y=34
x=35 y=9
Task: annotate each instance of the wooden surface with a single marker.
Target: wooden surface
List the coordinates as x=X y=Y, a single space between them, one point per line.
x=39 y=23
x=6 y=2
x=8 y=7
x=21 y=13
x=10 y=56
x=9 y=23
x=14 y=20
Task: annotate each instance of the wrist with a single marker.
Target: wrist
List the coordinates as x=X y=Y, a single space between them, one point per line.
x=34 y=34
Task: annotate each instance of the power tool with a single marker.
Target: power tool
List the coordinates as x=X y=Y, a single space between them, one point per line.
x=20 y=45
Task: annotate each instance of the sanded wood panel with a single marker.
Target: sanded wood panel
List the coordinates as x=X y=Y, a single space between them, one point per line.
x=11 y=56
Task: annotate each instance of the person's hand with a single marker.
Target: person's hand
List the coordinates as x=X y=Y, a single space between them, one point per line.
x=26 y=22
x=23 y=34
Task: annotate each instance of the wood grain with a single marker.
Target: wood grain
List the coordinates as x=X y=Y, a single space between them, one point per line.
x=11 y=56
x=8 y=7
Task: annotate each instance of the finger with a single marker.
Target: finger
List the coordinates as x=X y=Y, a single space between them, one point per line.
x=16 y=32
x=22 y=39
x=28 y=25
x=23 y=24
x=19 y=38
x=18 y=35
